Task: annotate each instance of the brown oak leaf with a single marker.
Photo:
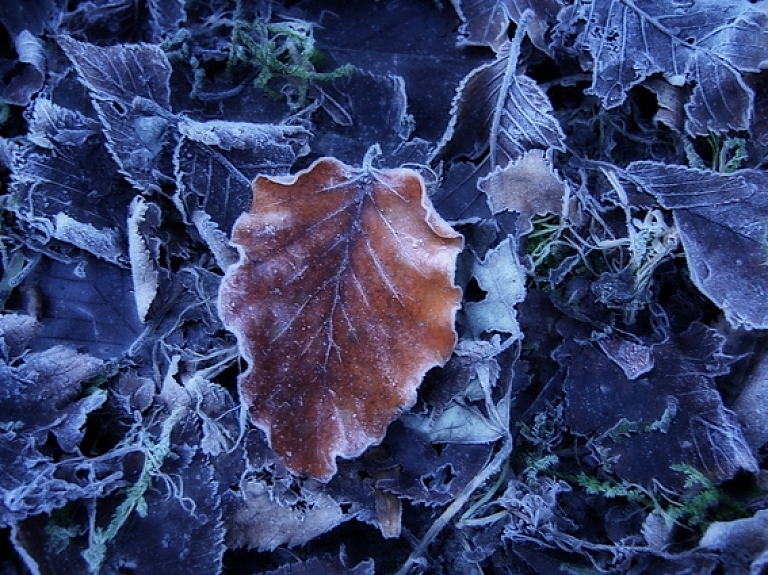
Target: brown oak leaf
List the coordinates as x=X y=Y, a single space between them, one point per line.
x=342 y=299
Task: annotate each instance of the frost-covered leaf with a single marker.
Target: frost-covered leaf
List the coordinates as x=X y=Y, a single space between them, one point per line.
x=39 y=396
x=343 y=298
x=29 y=74
x=751 y=406
x=185 y=516
x=272 y=507
x=143 y=271
x=130 y=88
x=633 y=358
x=263 y=521
x=721 y=219
x=672 y=414
x=216 y=240
x=216 y=161
x=166 y=18
x=743 y=543
x=502 y=277
x=45 y=383
x=103 y=22
x=458 y=197
x=486 y=23
x=34 y=16
x=708 y=45
x=168 y=518
x=671 y=101
x=121 y=73
x=460 y=423
x=51 y=125
x=106 y=244
x=65 y=184
x=528 y=186
x=498 y=111
x=87 y=305
x=411 y=464
x=476 y=414
x=376 y=107
x=16 y=331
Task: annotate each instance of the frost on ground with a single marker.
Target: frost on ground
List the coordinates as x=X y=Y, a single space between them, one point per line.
x=602 y=409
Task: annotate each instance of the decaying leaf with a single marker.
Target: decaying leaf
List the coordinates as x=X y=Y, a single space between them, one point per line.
x=528 y=186
x=486 y=23
x=500 y=111
x=723 y=224
x=671 y=414
x=502 y=276
x=342 y=299
x=709 y=45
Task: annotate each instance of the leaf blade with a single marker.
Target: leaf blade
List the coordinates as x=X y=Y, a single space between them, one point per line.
x=342 y=299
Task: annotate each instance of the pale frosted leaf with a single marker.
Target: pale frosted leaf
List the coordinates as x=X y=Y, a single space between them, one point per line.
x=104 y=243
x=145 y=276
x=502 y=277
x=527 y=186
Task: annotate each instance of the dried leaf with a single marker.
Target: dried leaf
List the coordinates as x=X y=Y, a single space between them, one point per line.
x=528 y=186
x=145 y=276
x=723 y=224
x=130 y=89
x=500 y=111
x=343 y=298
x=486 y=23
x=502 y=277
x=709 y=45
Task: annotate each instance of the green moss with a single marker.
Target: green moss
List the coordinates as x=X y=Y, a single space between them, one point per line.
x=283 y=51
x=155 y=454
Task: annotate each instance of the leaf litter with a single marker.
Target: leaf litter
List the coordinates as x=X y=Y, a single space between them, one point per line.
x=593 y=402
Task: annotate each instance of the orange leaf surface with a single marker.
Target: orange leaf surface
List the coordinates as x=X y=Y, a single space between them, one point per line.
x=342 y=299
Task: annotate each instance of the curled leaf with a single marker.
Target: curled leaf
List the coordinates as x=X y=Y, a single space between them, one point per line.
x=342 y=299
x=500 y=112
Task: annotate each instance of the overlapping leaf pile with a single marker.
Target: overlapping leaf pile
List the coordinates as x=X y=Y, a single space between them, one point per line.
x=602 y=408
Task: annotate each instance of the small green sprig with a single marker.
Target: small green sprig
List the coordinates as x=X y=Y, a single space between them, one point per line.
x=282 y=49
